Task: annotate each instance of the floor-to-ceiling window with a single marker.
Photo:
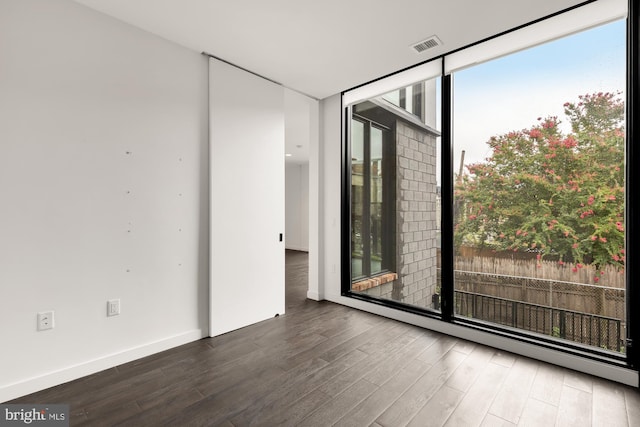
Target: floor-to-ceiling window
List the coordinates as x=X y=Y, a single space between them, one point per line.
x=539 y=226
x=508 y=214
x=394 y=199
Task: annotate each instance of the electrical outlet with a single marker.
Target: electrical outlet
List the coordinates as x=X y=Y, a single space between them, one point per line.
x=45 y=320
x=113 y=307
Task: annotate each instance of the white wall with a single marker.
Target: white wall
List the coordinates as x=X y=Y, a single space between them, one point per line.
x=316 y=274
x=330 y=175
x=297 y=206
x=301 y=132
x=103 y=180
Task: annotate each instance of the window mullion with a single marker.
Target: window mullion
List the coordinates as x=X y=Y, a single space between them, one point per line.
x=366 y=203
x=633 y=178
x=446 y=260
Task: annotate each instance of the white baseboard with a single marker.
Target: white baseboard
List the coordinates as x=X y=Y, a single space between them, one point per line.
x=61 y=376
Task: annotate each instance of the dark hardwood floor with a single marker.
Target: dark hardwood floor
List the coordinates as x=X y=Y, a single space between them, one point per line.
x=323 y=364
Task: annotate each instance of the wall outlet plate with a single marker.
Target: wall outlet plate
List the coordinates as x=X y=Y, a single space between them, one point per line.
x=113 y=307
x=45 y=320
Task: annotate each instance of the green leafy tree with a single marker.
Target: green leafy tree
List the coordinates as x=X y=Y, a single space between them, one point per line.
x=551 y=193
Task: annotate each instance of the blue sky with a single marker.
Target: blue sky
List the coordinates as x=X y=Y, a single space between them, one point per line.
x=511 y=92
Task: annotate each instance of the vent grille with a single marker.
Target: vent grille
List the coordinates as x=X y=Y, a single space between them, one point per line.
x=429 y=43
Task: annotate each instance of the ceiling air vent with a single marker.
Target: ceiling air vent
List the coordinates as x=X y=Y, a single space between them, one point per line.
x=429 y=43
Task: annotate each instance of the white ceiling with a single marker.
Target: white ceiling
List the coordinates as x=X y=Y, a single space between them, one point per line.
x=322 y=47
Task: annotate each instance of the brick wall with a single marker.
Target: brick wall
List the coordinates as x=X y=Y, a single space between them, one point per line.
x=416 y=220
x=416 y=215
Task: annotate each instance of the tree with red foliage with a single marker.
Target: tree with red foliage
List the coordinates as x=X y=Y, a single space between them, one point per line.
x=552 y=193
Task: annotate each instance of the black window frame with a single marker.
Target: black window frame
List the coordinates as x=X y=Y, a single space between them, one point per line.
x=631 y=359
x=388 y=195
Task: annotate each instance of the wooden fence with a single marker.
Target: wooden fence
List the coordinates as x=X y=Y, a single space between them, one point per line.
x=549 y=284
x=608 y=276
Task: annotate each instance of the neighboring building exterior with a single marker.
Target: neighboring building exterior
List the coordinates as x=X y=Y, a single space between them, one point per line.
x=395 y=196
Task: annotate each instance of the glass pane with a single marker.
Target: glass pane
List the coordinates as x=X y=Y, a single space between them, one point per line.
x=409 y=99
x=539 y=193
x=398 y=258
x=376 y=200
x=393 y=97
x=357 y=164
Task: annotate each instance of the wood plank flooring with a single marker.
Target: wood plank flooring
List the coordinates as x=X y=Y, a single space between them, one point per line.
x=323 y=364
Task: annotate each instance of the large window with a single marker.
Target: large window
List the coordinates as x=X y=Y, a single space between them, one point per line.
x=395 y=196
x=539 y=225
x=494 y=197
